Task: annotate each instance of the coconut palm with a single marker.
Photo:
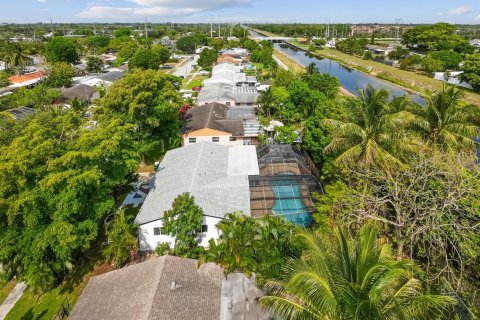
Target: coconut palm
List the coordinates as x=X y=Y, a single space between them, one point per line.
x=266 y=103
x=358 y=279
x=374 y=135
x=15 y=57
x=443 y=121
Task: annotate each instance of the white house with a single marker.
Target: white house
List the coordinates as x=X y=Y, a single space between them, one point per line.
x=216 y=175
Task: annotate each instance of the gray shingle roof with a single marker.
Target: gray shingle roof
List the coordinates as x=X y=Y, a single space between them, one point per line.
x=216 y=175
x=212 y=116
x=81 y=91
x=160 y=288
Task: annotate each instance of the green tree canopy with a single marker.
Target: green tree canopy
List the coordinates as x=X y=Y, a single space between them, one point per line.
x=150 y=102
x=57 y=182
x=207 y=58
x=188 y=44
x=471 y=71
x=60 y=49
x=60 y=74
x=94 y=64
x=122 y=32
x=184 y=222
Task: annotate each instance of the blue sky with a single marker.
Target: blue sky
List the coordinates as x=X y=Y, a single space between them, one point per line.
x=280 y=11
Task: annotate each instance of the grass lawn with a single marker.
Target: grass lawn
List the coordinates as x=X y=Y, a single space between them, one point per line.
x=45 y=306
x=6 y=289
x=196 y=82
x=289 y=62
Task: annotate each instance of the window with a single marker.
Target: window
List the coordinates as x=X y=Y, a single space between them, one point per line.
x=249 y=104
x=192 y=140
x=215 y=139
x=204 y=228
x=227 y=103
x=157 y=231
x=233 y=138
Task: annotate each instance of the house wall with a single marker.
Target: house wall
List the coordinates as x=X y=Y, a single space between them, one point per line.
x=229 y=102
x=206 y=135
x=224 y=140
x=148 y=241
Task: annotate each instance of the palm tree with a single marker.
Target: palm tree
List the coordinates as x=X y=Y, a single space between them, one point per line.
x=341 y=279
x=15 y=57
x=312 y=68
x=122 y=240
x=234 y=250
x=443 y=121
x=266 y=103
x=374 y=134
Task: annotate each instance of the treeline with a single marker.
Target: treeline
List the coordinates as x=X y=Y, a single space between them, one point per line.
x=62 y=173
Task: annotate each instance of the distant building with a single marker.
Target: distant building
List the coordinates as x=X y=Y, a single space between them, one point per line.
x=81 y=91
x=27 y=80
x=169 y=288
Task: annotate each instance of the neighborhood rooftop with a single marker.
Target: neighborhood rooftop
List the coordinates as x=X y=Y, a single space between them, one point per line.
x=216 y=175
x=212 y=116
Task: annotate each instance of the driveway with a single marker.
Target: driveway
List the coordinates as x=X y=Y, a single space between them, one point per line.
x=186 y=69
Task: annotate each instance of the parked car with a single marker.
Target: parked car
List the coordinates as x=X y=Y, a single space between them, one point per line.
x=167 y=66
x=197 y=88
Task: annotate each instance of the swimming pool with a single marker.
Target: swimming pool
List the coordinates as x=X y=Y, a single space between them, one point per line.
x=288 y=202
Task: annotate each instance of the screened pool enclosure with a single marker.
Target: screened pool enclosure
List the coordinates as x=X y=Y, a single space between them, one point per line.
x=284 y=185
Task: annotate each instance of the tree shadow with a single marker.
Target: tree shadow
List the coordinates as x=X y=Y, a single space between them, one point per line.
x=29 y=315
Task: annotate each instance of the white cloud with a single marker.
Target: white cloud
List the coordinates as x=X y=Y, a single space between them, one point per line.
x=42 y=1
x=459 y=11
x=159 y=8
x=477 y=18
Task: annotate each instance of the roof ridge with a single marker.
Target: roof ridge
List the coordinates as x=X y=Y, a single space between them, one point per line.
x=159 y=273
x=195 y=169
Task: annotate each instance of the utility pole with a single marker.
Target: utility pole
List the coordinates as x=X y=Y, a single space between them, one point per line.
x=146 y=30
x=211 y=28
x=397 y=31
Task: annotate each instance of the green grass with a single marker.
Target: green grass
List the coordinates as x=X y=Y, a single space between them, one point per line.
x=45 y=306
x=6 y=289
x=196 y=82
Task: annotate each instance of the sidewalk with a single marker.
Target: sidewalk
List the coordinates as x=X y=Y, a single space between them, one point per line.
x=12 y=298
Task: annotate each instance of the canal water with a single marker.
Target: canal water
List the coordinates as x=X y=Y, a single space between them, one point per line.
x=350 y=79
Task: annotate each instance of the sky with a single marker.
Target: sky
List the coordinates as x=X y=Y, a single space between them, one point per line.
x=250 y=11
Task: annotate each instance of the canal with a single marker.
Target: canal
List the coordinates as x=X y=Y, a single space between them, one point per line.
x=350 y=79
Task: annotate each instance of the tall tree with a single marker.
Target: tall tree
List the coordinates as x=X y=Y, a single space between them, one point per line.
x=372 y=135
x=184 y=222
x=445 y=122
x=60 y=75
x=15 y=57
x=339 y=278
x=150 y=102
x=60 y=49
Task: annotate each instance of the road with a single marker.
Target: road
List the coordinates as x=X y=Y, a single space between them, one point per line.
x=186 y=68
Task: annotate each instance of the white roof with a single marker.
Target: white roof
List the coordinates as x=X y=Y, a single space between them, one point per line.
x=216 y=175
x=226 y=67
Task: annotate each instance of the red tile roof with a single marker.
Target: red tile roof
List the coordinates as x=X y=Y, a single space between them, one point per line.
x=27 y=77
